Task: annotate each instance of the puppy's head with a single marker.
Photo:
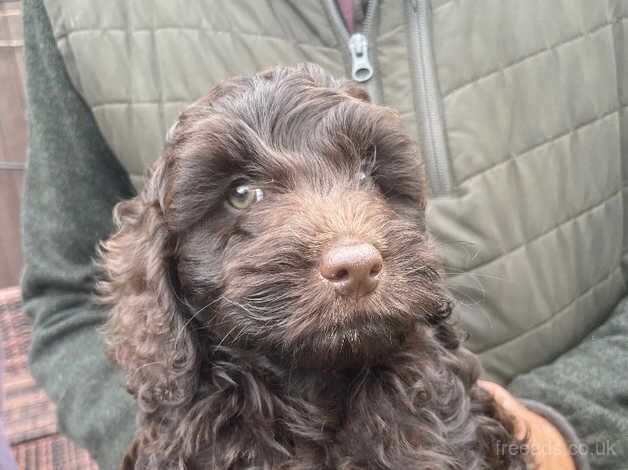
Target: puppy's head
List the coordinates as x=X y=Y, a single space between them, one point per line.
x=290 y=213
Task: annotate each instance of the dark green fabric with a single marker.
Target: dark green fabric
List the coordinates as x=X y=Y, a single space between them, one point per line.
x=71 y=186
x=72 y=183
x=589 y=386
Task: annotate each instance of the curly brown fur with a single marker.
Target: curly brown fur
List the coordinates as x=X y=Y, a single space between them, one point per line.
x=239 y=356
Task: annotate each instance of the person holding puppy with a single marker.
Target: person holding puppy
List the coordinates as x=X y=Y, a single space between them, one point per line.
x=529 y=225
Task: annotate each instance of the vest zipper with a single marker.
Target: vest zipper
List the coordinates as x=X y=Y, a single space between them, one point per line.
x=361 y=68
x=427 y=101
x=357 y=45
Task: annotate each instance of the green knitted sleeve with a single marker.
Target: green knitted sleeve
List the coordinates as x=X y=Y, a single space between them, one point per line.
x=71 y=185
x=589 y=387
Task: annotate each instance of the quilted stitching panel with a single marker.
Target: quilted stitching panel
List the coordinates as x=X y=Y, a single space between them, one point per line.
x=392 y=56
x=471 y=43
x=515 y=201
x=540 y=278
x=534 y=347
x=139 y=139
x=301 y=22
x=138 y=65
x=514 y=111
x=533 y=237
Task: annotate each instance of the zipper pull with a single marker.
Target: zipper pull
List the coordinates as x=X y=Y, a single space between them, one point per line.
x=361 y=69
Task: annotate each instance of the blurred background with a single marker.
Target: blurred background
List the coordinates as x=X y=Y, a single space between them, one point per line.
x=12 y=139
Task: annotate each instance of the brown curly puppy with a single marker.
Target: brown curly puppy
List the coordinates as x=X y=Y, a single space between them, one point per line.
x=275 y=301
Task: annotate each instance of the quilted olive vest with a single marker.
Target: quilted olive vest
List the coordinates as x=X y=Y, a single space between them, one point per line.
x=519 y=108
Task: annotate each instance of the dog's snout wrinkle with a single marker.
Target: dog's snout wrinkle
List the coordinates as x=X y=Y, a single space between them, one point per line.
x=352 y=266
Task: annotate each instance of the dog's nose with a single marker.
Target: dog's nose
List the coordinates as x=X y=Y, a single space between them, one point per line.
x=353 y=267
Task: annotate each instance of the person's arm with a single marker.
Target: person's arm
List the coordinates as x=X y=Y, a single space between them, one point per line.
x=71 y=185
x=589 y=387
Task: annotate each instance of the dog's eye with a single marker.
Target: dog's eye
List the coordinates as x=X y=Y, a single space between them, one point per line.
x=367 y=168
x=242 y=194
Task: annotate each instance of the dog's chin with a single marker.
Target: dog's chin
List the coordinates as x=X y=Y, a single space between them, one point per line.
x=337 y=333
x=366 y=340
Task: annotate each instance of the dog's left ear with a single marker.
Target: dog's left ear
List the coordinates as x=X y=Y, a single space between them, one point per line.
x=147 y=330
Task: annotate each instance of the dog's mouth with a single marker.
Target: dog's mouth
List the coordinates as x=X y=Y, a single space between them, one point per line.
x=364 y=313
x=353 y=339
x=309 y=320
x=345 y=331
x=319 y=331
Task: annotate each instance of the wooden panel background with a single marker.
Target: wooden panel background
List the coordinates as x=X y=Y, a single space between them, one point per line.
x=12 y=139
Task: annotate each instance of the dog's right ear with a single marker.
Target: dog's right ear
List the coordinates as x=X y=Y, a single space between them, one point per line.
x=147 y=331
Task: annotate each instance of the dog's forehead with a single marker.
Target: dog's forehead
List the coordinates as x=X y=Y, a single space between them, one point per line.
x=299 y=136
x=288 y=129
